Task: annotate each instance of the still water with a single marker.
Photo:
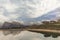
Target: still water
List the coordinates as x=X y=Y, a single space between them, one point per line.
x=25 y=35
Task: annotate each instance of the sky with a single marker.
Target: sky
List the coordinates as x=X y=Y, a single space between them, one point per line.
x=23 y=11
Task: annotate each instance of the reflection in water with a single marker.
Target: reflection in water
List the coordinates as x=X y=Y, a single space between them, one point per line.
x=14 y=32
x=24 y=35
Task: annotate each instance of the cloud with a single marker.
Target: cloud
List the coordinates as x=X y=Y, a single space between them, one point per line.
x=26 y=10
x=36 y=8
x=2 y=17
x=10 y=7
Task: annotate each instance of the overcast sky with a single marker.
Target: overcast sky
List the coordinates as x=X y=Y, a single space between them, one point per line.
x=25 y=10
x=17 y=10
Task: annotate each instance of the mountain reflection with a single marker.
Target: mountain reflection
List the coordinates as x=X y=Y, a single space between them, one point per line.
x=14 y=32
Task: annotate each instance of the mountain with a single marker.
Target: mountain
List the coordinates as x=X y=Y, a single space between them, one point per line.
x=12 y=25
x=50 y=15
x=54 y=14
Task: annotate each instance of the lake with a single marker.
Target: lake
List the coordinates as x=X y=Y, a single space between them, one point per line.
x=25 y=35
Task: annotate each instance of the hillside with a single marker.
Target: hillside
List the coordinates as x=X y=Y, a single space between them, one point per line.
x=45 y=25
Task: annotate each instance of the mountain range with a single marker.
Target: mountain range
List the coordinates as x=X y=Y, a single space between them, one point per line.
x=54 y=14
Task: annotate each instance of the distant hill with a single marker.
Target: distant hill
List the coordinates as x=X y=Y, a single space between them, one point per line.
x=12 y=25
x=50 y=15
x=45 y=24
